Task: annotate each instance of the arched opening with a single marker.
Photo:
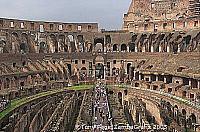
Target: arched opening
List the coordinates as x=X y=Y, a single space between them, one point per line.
x=61 y=44
x=113 y=71
x=15 y=43
x=132 y=47
x=98 y=47
x=183 y=112
x=69 y=68
x=175 y=48
x=193 y=118
x=185 y=42
x=128 y=68
x=71 y=43
x=108 y=39
x=99 y=71
x=184 y=94
x=53 y=44
x=80 y=43
x=24 y=43
x=137 y=76
x=125 y=92
x=99 y=44
x=115 y=47
x=110 y=92
x=191 y=121
x=83 y=73
x=120 y=97
x=42 y=47
x=2 y=47
x=23 y=48
x=123 y=48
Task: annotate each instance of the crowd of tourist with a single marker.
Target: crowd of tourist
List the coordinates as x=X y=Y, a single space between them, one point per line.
x=3 y=104
x=102 y=115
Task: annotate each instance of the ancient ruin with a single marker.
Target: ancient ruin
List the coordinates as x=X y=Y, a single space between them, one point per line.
x=65 y=77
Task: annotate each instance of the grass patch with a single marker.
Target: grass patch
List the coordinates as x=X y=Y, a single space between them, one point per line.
x=80 y=87
x=18 y=102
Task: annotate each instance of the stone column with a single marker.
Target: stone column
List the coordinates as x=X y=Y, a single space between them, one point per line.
x=179 y=49
x=165 y=79
x=140 y=76
x=168 y=48
x=198 y=84
x=104 y=74
x=127 y=48
x=156 y=77
x=134 y=75
x=190 y=83
x=150 y=78
x=143 y=48
x=160 y=48
x=152 y=49
x=136 y=50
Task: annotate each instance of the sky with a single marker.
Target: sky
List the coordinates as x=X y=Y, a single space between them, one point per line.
x=108 y=13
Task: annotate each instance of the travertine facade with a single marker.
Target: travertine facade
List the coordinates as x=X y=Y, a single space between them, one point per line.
x=162 y=15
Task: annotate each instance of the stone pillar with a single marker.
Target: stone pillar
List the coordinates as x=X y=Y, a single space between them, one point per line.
x=143 y=48
x=150 y=78
x=165 y=79
x=152 y=49
x=198 y=84
x=190 y=83
x=136 y=50
x=134 y=75
x=168 y=48
x=104 y=74
x=119 y=48
x=127 y=48
x=156 y=77
x=179 y=49
x=160 y=48
x=139 y=118
x=140 y=76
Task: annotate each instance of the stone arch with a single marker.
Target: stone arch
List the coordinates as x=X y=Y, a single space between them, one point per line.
x=191 y=121
x=128 y=68
x=81 y=47
x=42 y=47
x=15 y=43
x=125 y=92
x=53 y=45
x=83 y=73
x=115 y=47
x=71 y=43
x=184 y=112
x=113 y=71
x=61 y=43
x=99 y=70
x=123 y=47
x=99 y=44
x=99 y=59
x=3 y=47
x=24 y=48
x=185 y=43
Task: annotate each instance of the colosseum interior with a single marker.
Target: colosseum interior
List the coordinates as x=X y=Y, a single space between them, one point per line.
x=73 y=77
